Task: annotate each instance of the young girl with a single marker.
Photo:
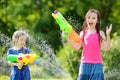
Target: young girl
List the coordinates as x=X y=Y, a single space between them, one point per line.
x=91 y=39
x=19 y=39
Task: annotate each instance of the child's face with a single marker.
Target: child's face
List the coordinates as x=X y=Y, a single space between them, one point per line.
x=21 y=41
x=91 y=20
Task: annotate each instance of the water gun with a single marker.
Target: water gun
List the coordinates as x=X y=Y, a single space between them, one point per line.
x=23 y=58
x=65 y=26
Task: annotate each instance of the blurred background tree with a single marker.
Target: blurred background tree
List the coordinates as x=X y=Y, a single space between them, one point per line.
x=35 y=17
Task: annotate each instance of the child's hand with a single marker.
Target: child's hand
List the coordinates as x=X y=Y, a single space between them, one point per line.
x=31 y=62
x=108 y=29
x=19 y=64
x=64 y=33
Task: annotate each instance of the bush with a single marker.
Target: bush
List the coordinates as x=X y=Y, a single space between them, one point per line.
x=4 y=68
x=111 y=60
x=69 y=59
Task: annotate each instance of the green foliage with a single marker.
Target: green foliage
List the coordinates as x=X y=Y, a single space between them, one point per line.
x=4 y=68
x=35 y=17
x=111 y=59
x=4 y=77
x=69 y=59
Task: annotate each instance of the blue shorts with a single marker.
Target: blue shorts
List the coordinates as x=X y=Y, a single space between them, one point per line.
x=88 y=71
x=20 y=74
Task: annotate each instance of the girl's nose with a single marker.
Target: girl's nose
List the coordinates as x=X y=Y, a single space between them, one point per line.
x=90 y=19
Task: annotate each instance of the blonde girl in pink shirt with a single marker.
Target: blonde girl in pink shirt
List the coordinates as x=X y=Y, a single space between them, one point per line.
x=91 y=39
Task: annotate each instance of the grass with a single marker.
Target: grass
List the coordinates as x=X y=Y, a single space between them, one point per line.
x=35 y=74
x=3 y=77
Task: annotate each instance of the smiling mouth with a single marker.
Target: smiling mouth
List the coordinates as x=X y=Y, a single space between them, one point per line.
x=90 y=24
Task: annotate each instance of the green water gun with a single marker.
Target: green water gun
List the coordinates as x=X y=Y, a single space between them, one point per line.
x=64 y=25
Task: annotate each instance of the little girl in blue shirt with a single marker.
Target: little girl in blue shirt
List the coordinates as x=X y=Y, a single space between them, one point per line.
x=19 y=39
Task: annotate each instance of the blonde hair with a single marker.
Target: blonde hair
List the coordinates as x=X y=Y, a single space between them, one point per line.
x=17 y=34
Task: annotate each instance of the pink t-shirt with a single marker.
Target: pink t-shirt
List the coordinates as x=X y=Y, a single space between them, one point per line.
x=91 y=49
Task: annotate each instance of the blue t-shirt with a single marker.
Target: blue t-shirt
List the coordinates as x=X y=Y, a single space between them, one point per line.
x=19 y=74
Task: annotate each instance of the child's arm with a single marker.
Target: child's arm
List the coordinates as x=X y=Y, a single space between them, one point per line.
x=15 y=64
x=32 y=62
x=106 y=40
x=78 y=45
x=35 y=62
